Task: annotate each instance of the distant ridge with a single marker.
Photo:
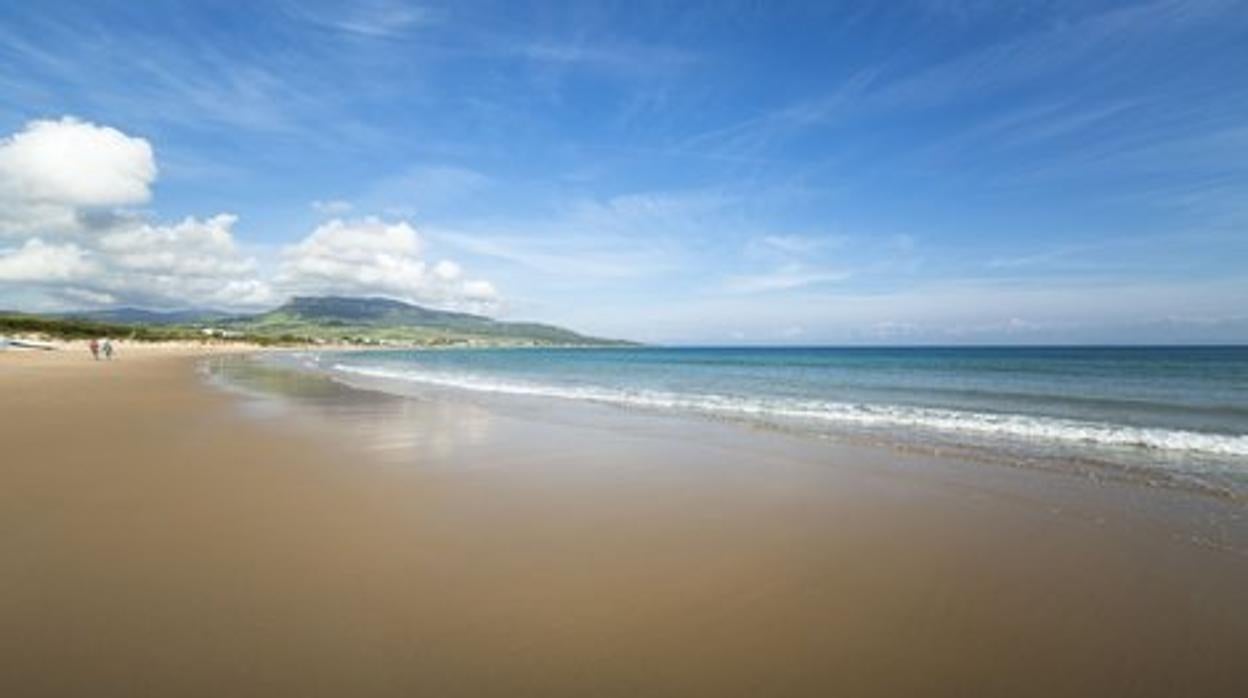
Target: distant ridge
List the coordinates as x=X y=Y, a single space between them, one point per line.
x=384 y=311
x=360 y=320
x=383 y=319
x=139 y=316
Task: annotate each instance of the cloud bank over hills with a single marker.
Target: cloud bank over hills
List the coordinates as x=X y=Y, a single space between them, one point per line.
x=72 y=234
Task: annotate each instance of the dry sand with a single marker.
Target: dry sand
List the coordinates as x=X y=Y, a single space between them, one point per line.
x=156 y=540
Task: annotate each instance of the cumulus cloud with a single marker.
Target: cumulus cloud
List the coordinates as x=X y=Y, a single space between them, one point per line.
x=190 y=248
x=77 y=163
x=37 y=261
x=191 y=263
x=66 y=188
x=53 y=169
x=373 y=257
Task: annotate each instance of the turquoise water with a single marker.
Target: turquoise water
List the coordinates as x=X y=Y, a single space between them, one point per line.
x=1182 y=412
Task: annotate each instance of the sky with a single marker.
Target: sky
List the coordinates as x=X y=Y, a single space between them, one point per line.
x=890 y=172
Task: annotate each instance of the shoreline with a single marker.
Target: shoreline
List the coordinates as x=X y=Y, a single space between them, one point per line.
x=1149 y=466
x=1097 y=483
x=168 y=538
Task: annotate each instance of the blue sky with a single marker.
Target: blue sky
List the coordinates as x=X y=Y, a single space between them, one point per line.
x=945 y=171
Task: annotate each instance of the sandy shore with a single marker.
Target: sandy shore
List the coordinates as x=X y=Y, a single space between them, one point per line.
x=161 y=538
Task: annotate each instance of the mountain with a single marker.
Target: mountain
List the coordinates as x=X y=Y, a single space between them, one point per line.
x=310 y=319
x=139 y=316
x=368 y=311
x=386 y=320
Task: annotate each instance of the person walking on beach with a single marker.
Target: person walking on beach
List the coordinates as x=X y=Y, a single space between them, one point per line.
x=108 y=349
x=94 y=346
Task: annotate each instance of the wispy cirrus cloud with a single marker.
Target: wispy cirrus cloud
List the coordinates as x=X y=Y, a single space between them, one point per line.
x=374 y=19
x=332 y=207
x=614 y=56
x=1053 y=310
x=636 y=235
x=786 y=278
x=796 y=245
x=562 y=256
x=595 y=241
x=1097 y=42
x=422 y=189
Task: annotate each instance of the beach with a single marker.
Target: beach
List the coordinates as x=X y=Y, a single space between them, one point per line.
x=162 y=536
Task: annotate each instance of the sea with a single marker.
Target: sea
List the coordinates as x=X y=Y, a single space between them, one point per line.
x=1173 y=416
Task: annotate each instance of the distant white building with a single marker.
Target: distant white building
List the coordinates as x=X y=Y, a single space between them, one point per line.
x=220 y=333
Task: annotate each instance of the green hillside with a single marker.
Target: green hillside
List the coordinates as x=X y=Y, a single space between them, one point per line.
x=66 y=327
x=306 y=319
x=381 y=320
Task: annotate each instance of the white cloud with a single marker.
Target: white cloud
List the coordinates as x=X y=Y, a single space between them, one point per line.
x=37 y=261
x=72 y=177
x=798 y=244
x=375 y=19
x=372 y=257
x=616 y=238
x=623 y=59
x=76 y=163
x=426 y=187
x=62 y=177
x=602 y=258
x=331 y=207
x=53 y=170
x=650 y=212
x=191 y=263
x=786 y=278
x=195 y=262
x=484 y=290
x=189 y=248
x=82 y=296
x=447 y=270
x=984 y=311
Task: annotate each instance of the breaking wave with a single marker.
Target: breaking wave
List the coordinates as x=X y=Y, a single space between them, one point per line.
x=1029 y=428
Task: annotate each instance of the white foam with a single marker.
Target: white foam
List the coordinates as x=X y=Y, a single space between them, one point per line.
x=1010 y=426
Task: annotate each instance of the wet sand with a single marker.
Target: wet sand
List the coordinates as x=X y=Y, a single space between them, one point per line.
x=158 y=537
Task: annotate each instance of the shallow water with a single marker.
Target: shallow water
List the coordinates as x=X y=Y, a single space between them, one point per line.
x=1175 y=414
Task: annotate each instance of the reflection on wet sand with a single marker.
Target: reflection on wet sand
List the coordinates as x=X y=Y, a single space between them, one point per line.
x=396 y=429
